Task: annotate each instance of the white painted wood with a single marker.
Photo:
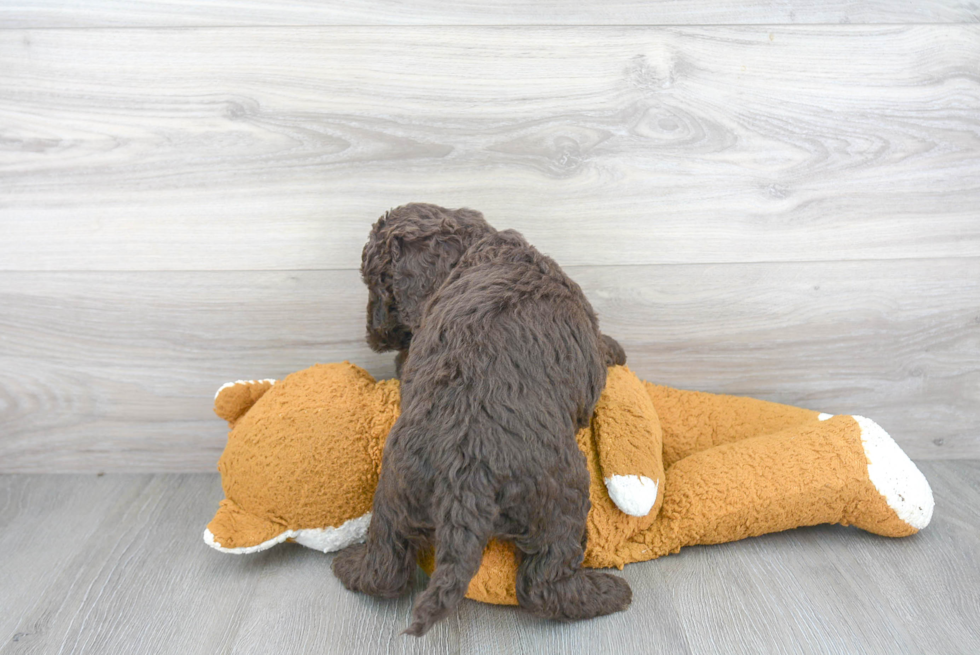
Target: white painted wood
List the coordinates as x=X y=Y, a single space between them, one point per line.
x=159 y=13
x=116 y=564
x=275 y=148
x=117 y=371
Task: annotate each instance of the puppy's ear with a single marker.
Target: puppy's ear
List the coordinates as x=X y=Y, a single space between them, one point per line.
x=385 y=330
x=420 y=267
x=377 y=311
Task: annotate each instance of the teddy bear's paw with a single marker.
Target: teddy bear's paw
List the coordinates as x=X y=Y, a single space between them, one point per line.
x=895 y=476
x=633 y=494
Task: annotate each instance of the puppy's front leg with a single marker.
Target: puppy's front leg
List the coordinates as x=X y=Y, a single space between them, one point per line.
x=612 y=352
x=400 y=360
x=384 y=564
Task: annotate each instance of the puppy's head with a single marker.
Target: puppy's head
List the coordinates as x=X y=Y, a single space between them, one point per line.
x=409 y=253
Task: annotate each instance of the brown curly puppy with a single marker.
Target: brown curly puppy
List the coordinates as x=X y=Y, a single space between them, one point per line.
x=504 y=363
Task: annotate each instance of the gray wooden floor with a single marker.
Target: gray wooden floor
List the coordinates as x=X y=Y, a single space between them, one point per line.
x=116 y=564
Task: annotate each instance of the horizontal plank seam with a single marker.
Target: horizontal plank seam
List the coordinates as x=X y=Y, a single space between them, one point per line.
x=101 y=471
x=142 y=474
x=967 y=258
x=844 y=26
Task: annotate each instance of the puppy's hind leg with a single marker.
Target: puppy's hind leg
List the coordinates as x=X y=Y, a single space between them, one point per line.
x=383 y=565
x=552 y=584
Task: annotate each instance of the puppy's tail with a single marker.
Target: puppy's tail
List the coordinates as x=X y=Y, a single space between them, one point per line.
x=459 y=551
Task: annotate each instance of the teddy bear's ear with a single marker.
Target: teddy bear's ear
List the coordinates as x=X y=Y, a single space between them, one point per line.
x=233 y=399
x=233 y=530
x=629 y=444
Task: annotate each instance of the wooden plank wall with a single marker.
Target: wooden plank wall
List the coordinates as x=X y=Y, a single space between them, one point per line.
x=775 y=201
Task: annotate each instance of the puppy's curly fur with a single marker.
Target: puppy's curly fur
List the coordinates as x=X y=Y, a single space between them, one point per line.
x=501 y=361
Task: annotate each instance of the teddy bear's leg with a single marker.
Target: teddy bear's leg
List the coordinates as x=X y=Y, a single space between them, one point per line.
x=843 y=469
x=233 y=399
x=693 y=421
x=233 y=530
x=384 y=564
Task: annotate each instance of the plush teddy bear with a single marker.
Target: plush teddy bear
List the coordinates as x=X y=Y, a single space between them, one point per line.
x=669 y=469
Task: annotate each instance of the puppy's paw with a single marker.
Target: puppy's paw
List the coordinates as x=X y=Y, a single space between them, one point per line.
x=612 y=593
x=585 y=594
x=348 y=566
x=357 y=571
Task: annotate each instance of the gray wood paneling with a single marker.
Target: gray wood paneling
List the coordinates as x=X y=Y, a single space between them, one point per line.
x=117 y=564
x=157 y=13
x=116 y=371
x=275 y=148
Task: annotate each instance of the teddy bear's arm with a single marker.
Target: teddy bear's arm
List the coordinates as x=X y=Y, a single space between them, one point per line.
x=233 y=399
x=628 y=444
x=693 y=421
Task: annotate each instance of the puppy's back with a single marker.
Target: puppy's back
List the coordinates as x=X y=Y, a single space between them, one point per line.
x=510 y=326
